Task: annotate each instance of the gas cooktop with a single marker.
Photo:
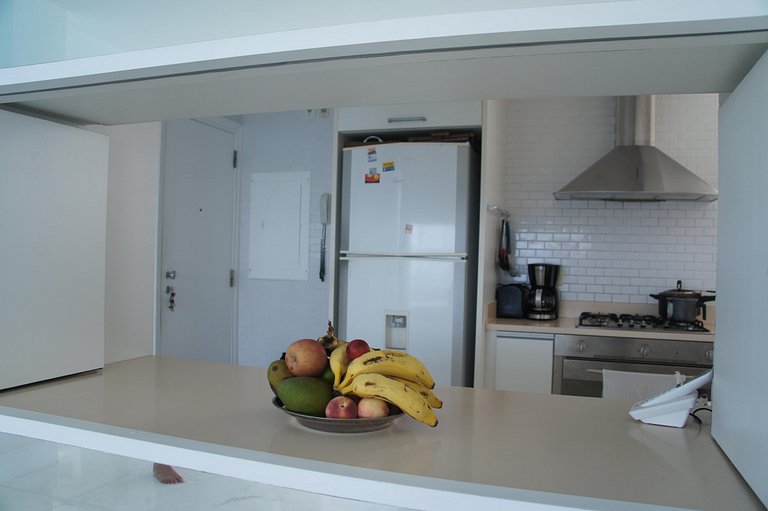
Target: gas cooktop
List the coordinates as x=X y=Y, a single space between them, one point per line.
x=636 y=321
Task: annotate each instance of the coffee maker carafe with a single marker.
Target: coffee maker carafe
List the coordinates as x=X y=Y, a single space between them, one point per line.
x=542 y=300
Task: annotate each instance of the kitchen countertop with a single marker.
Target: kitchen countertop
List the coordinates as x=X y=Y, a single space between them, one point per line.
x=566 y=324
x=491 y=450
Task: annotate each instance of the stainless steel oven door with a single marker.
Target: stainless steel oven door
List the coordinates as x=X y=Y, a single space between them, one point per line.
x=584 y=377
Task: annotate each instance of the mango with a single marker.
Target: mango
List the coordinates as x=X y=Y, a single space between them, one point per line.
x=277 y=372
x=305 y=394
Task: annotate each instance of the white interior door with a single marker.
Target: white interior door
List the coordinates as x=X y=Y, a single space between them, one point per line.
x=738 y=422
x=196 y=296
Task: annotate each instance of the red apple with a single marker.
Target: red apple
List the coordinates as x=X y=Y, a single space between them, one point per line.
x=372 y=407
x=341 y=407
x=306 y=357
x=356 y=348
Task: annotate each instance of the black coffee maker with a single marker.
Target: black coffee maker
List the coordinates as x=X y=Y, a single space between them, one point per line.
x=542 y=299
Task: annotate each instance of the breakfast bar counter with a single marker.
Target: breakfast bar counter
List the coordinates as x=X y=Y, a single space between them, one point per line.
x=490 y=450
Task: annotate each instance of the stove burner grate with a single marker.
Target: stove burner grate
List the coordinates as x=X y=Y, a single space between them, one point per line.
x=638 y=321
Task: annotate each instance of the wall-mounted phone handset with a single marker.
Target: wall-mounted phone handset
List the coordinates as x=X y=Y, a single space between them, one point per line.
x=325 y=208
x=325 y=219
x=671 y=407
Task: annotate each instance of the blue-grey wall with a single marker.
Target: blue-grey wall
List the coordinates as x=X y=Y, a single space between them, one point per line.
x=274 y=313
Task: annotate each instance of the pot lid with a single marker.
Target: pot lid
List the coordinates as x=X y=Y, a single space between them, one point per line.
x=679 y=292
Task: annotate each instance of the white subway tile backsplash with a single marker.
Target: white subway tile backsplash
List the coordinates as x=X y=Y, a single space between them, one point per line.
x=611 y=251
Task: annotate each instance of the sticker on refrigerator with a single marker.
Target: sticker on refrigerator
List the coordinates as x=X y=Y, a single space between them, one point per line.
x=372 y=155
x=372 y=176
x=388 y=166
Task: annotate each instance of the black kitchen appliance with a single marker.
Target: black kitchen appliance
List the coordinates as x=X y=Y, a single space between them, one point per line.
x=543 y=299
x=511 y=301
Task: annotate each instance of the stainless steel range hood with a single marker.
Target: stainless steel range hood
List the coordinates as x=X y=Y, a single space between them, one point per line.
x=635 y=170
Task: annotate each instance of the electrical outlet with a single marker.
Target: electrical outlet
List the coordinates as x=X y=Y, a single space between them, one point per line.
x=703 y=402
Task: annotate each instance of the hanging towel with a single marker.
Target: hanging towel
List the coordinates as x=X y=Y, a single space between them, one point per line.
x=635 y=386
x=505 y=246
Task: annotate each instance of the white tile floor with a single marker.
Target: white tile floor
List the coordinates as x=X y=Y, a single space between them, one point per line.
x=37 y=476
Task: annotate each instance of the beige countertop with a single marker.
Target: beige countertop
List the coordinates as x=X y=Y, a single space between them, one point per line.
x=566 y=323
x=491 y=449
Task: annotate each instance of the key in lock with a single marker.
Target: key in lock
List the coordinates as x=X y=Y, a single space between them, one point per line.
x=171 y=298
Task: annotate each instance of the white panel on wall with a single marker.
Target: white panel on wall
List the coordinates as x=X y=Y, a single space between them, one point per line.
x=609 y=251
x=279 y=226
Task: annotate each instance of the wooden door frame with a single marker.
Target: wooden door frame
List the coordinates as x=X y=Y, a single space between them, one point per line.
x=235 y=128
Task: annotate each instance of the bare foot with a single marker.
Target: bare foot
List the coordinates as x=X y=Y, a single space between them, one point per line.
x=166 y=474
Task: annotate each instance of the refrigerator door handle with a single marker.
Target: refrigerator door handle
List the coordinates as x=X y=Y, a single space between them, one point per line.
x=433 y=255
x=443 y=259
x=415 y=118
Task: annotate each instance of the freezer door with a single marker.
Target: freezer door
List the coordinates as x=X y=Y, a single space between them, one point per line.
x=407 y=199
x=415 y=304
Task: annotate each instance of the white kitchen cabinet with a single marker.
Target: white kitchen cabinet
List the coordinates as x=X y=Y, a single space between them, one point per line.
x=53 y=211
x=411 y=116
x=524 y=362
x=738 y=421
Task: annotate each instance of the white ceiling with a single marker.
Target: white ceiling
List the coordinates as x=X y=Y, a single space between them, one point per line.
x=593 y=48
x=690 y=65
x=171 y=22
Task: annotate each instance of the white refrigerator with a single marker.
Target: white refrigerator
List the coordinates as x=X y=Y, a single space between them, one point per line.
x=408 y=252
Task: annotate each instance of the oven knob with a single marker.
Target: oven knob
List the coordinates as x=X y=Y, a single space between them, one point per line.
x=581 y=346
x=645 y=350
x=709 y=355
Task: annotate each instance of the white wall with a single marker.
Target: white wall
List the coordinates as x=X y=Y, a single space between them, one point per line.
x=609 y=251
x=132 y=195
x=493 y=166
x=274 y=313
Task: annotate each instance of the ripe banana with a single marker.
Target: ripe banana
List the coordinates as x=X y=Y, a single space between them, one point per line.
x=432 y=400
x=389 y=363
x=338 y=363
x=392 y=391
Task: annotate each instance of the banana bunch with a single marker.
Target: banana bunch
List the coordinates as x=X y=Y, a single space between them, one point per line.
x=338 y=362
x=394 y=376
x=389 y=363
x=432 y=400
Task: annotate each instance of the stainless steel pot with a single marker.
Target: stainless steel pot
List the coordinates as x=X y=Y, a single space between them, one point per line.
x=682 y=305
